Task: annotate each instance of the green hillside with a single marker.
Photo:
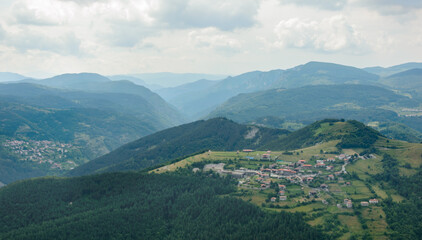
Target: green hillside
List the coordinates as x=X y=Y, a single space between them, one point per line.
x=409 y=81
x=358 y=164
x=202 y=98
x=220 y=134
x=93 y=123
x=139 y=206
x=310 y=103
x=173 y=143
x=320 y=73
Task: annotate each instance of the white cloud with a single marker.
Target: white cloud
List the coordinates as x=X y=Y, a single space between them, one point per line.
x=329 y=35
x=323 y=4
x=66 y=44
x=41 y=12
x=390 y=7
x=221 y=14
x=211 y=38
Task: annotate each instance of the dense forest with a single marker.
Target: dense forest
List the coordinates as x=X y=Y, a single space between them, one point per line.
x=139 y=206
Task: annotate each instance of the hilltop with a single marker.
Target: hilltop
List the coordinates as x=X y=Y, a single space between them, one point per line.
x=409 y=81
x=307 y=104
x=203 y=97
x=220 y=134
x=348 y=180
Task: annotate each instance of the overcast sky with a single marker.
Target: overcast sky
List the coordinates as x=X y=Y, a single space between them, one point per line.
x=43 y=37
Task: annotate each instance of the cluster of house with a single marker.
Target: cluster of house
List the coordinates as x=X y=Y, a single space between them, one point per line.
x=281 y=193
x=349 y=204
x=371 y=201
x=38 y=151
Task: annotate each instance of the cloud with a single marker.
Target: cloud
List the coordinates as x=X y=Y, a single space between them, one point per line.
x=328 y=35
x=323 y=4
x=391 y=7
x=221 y=14
x=210 y=38
x=66 y=44
x=41 y=12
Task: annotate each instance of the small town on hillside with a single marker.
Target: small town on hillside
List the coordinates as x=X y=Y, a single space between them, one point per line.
x=301 y=181
x=53 y=154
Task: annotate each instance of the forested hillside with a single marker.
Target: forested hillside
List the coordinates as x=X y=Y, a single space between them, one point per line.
x=139 y=206
x=89 y=124
x=169 y=144
x=310 y=103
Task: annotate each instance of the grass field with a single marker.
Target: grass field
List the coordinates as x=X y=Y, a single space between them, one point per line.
x=403 y=151
x=365 y=168
x=377 y=225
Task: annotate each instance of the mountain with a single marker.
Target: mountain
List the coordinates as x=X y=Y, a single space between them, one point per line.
x=320 y=73
x=176 y=95
x=89 y=124
x=10 y=77
x=383 y=72
x=307 y=104
x=135 y=80
x=173 y=143
x=72 y=80
x=140 y=206
x=167 y=79
x=309 y=101
x=200 y=102
x=95 y=83
x=409 y=81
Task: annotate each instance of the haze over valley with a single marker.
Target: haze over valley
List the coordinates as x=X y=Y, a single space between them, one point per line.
x=218 y=119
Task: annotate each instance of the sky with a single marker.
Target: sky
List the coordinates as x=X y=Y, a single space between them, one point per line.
x=40 y=38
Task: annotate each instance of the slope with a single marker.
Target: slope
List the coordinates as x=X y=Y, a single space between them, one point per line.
x=9 y=77
x=320 y=73
x=92 y=82
x=173 y=143
x=199 y=102
x=409 y=81
x=384 y=72
x=307 y=102
x=139 y=206
x=89 y=125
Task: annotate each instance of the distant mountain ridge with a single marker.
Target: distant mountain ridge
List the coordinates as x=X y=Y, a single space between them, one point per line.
x=10 y=77
x=199 y=101
x=384 y=72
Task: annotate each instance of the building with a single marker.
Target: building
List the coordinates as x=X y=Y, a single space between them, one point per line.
x=283 y=198
x=373 y=201
x=266 y=156
x=349 y=204
x=281 y=193
x=331 y=177
x=281 y=187
x=321 y=165
x=364 y=204
x=306 y=166
x=247 y=150
x=273 y=199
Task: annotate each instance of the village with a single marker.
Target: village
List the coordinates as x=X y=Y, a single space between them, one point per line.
x=55 y=155
x=314 y=179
